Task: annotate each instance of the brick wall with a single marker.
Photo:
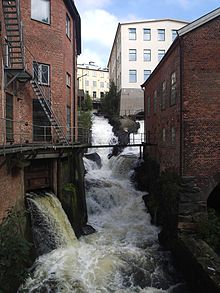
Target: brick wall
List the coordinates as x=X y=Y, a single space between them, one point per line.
x=166 y=152
x=201 y=93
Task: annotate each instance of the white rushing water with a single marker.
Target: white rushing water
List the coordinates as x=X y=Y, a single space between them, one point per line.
x=124 y=254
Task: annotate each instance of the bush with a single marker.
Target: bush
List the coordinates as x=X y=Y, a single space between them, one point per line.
x=110 y=102
x=14 y=252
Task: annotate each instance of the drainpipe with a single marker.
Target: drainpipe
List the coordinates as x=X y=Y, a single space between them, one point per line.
x=181 y=105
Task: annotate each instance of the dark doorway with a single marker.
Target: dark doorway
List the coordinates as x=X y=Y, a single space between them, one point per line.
x=214 y=199
x=41 y=123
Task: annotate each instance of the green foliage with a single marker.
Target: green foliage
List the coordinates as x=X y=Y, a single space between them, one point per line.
x=110 y=101
x=84 y=126
x=209 y=229
x=70 y=187
x=14 y=252
x=87 y=104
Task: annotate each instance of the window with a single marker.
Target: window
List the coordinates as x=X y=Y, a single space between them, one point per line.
x=102 y=95
x=161 y=53
x=68 y=122
x=94 y=95
x=164 y=135
x=148 y=106
x=174 y=34
x=155 y=101
x=41 y=73
x=132 y=33
x=94 y=74
x=94 y=84
x=173 y=135
x=68 y=79
x=87 y=82
x=132 y=54
x=101 y=84
x=9 y=118
x=68 y=31
x=102 y=74
x=132 y=75
x=40 y=10
x=147 y=55
x=147 y=34
x=6 y=53
x=146 y=74
x=163 y=97
x=173 y=89
x=161 y=35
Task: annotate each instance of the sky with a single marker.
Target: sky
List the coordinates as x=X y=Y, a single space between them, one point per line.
x=100 y=18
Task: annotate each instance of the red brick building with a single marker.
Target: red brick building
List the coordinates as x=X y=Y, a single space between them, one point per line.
x=40 y=43
x=182 y=104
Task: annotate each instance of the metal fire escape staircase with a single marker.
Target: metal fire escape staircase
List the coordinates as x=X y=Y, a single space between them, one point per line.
x=14 y=56
x=15 y=65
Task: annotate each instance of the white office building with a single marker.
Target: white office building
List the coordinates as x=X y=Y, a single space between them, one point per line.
x=137 y=49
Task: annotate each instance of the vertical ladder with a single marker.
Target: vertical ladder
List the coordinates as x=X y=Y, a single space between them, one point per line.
x=14 y=34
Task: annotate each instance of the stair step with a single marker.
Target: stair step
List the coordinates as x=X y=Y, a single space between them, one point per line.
x=12 y=29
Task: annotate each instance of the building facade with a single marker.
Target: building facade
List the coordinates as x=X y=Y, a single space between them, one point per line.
x=40 y=42
x=92 y=81
x=136 y=51
x=182 y=104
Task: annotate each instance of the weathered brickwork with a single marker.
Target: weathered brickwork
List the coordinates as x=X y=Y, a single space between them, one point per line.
x=201 y=105
x=196 y=113
x=166 y=150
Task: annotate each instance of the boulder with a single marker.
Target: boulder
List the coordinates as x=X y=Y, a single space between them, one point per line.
x=95 y=158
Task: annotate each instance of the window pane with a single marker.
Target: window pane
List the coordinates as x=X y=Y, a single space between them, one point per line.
x=174 y=34
x=147 y=55
x=161 y=35
x=68 y=26
x=146 y=74
x=147 y=34
x=132 y=55
x=132 y=76
x=132 y=33
x=44 y=74
x=40 y=10
x=161 y=53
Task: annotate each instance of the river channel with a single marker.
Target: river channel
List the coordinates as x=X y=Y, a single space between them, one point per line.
x=124 y=254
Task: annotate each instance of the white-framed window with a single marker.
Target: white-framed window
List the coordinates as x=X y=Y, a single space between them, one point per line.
x=173 y=135
x=101 y=84
x=163 y=97
x=161 y=35
x=173 y=89
x=174 y=34
x=148 y=106
x=161 y=53
x=40 y=10
x=41 y=73
x=102 y=94
x=94 y=74
x=94 y=95
x=94 y=83
x=132 y=75
x=132 y=33
x=87 y=82
x=155 y=101
x=68 y=27
x=68 y=79
x=164 y=135
x=147 y=55
x=132 y=54
x=146 y=74
x=146 y=34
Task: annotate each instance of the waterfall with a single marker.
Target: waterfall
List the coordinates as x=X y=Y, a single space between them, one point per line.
x=124 y=255
x=50 y=226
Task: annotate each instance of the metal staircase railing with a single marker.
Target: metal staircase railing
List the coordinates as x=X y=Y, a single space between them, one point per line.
x=12 y=20
x=51 y=115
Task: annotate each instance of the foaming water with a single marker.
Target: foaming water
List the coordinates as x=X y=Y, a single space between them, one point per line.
x=123 y=256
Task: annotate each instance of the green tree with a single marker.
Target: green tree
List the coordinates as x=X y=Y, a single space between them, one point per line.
x=87 y=104
x=110 y=101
